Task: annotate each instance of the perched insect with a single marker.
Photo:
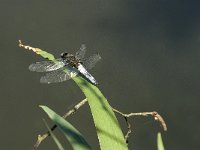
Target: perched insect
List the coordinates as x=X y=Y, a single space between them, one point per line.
x=67 y=67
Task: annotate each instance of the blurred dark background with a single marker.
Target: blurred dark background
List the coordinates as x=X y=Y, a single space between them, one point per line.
x=150 y=61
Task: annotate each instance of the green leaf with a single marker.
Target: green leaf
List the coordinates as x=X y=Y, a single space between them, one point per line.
x=59 y=145
x=45 y=54
x=72 y=134
x=108 y=129
x=160 y=145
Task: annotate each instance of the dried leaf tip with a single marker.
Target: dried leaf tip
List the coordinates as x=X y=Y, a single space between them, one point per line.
x=27 y=46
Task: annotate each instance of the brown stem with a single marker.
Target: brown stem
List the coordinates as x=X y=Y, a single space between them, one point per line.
x=154 y=114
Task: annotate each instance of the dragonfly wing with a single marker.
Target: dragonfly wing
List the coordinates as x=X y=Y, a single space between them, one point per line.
x=81 y=52
x=91 y=61
x=59 y=75
x=45 y=66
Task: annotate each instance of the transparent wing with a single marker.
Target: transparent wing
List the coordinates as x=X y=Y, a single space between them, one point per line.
x=59 y=75
x=91 y=61
x=45 y=66
x=81 y=52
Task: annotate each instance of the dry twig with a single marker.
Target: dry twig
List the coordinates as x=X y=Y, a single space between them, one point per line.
x=154 y=114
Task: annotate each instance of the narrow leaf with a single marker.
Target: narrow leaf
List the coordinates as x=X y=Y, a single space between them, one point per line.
x=108 y=129
x=59 y=145
x=72 y=134
x=160 y=145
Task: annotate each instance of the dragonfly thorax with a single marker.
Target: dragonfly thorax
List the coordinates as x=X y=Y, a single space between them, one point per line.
x=70 y=59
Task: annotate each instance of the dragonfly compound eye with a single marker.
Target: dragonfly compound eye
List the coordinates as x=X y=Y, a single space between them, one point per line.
x=63 y=55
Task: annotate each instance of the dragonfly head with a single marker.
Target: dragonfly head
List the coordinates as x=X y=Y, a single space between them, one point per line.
x=63 y=55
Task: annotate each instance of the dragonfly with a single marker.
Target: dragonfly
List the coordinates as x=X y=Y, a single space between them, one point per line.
x=67 y=67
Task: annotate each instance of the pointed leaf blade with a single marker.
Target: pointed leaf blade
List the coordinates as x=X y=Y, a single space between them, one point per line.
x=75 y=138
x=160 y=145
